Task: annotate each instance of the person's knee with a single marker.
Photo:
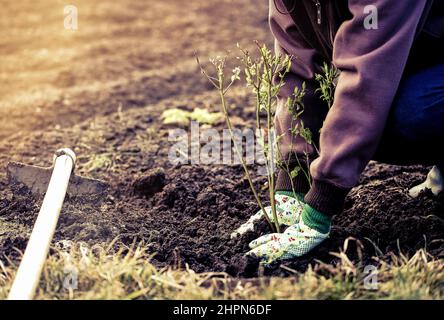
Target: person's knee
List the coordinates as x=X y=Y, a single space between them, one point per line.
x=418 y=110
x=409 y=119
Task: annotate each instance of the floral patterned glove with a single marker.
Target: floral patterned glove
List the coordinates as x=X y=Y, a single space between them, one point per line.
x=288 y=211
x=296 y=241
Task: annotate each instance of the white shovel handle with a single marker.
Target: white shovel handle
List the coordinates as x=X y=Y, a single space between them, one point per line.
x=28 y=274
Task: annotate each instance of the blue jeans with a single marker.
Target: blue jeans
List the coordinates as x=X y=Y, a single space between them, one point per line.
x=414 y=131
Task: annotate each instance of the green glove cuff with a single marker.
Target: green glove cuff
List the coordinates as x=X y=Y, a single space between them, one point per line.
x=299 y=196
x=316 y=220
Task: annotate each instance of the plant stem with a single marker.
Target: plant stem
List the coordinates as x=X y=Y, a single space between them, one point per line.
x=270 y=146
x=239 y=154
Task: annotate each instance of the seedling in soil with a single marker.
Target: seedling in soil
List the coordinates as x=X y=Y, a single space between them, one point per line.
x=265 y=75
x=219 y=81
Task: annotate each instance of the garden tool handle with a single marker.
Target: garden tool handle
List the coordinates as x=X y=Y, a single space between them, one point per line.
x=28 y=274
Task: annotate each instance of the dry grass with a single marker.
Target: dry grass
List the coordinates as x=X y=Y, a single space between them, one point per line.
x=103 y=273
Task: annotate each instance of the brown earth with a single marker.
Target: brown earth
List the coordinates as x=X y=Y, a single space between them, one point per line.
x=101 y=90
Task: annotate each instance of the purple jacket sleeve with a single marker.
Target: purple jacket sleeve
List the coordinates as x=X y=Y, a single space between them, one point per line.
x=371 y=64
x=305 y=63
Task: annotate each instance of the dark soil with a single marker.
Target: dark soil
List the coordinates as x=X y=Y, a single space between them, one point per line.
x=183 y=213
x=186 y=213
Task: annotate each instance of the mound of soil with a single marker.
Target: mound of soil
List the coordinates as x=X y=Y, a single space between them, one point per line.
x=149 y=183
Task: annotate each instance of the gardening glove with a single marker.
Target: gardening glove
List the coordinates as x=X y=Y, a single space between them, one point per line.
x=434 y=182
x=297 y=240
x=288 y=210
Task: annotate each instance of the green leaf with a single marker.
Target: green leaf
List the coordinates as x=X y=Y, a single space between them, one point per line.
x=204 y=116
x=295 y=172
x=175 y=116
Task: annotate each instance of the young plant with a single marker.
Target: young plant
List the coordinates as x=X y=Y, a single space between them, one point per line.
x=220 y=82
x=327 y=83
x=295 y=107
x=265 y=76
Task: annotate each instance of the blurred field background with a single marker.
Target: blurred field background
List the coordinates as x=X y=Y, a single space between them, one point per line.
x=128 y=53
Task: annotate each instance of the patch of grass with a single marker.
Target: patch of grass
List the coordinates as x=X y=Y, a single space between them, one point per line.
x=102 y=273
x=204 y=116
x=175 y=116
x=98 y=162
x=183 y=117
